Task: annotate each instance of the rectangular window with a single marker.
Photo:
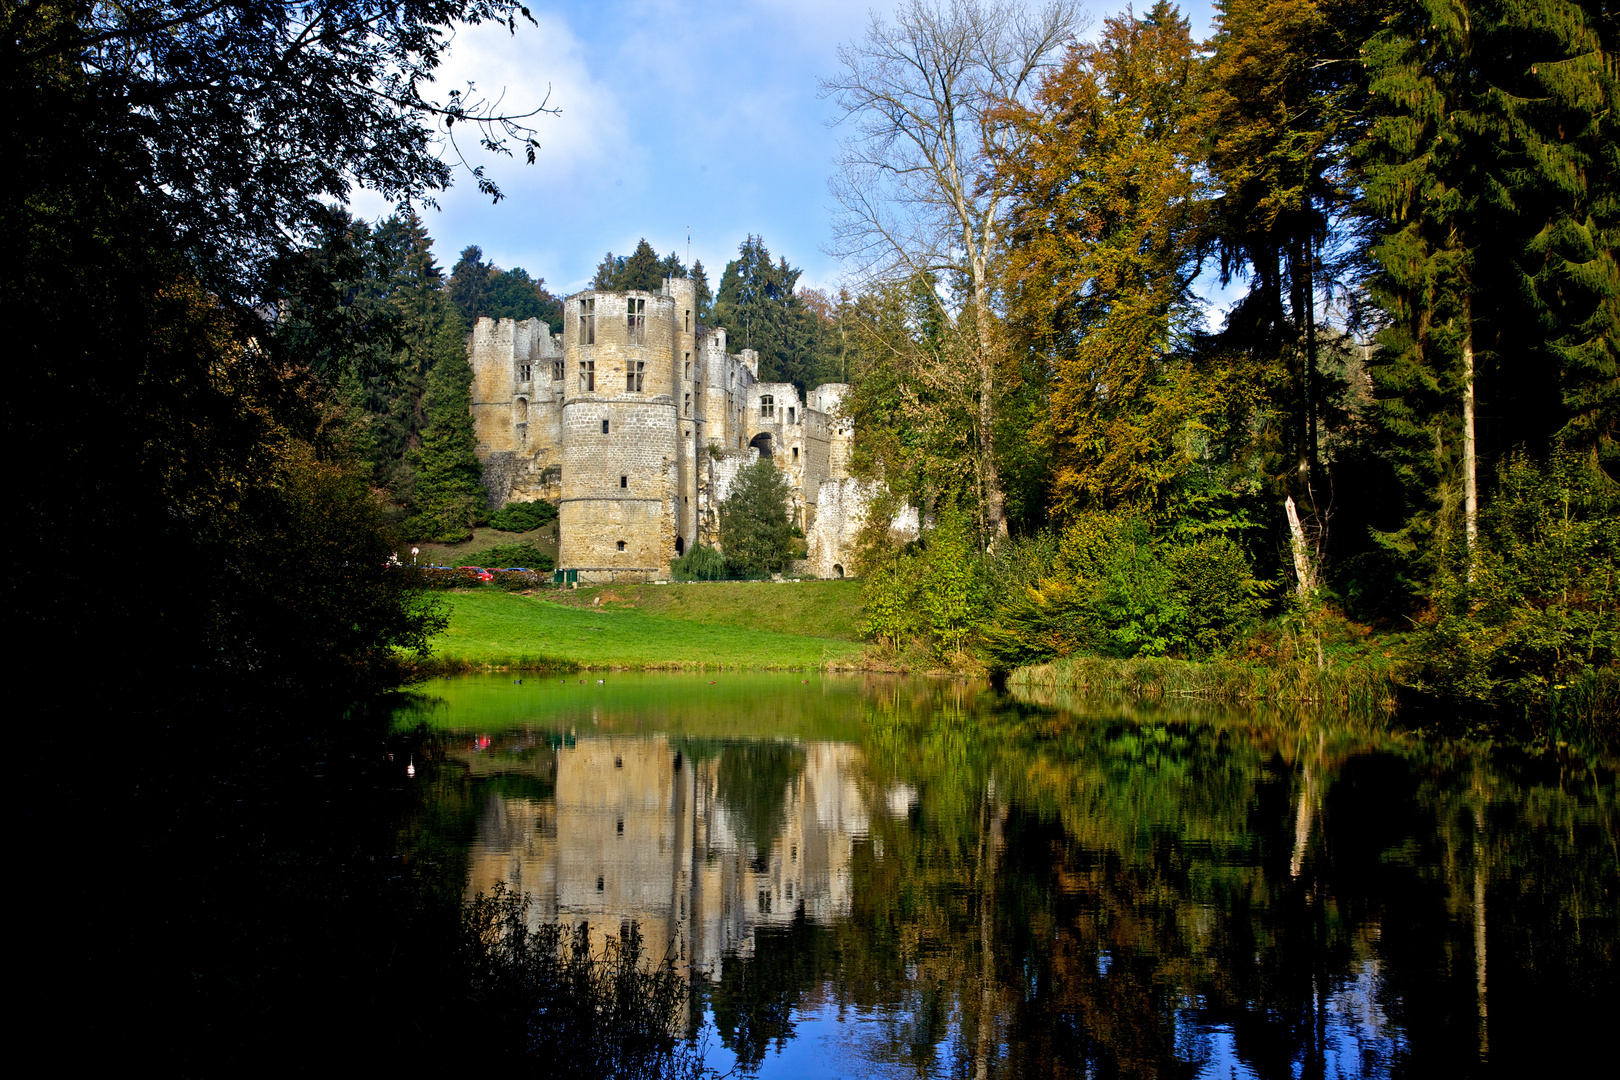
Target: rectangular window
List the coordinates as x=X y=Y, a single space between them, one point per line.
x=792 y=412
x=636 y=321
x=604 y=427
x=624 y=481
x=556 y=371
x=587 y=376
x=688 y=411
x=587 y=321
x=689 y=321
x=635 y=371
x=524 y=373
x=795 y=453
x=621 y=548
x=688 y=374
x=767 y=406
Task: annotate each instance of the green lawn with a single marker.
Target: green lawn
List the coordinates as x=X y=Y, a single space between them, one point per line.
x=489 y=626
x=826 y=609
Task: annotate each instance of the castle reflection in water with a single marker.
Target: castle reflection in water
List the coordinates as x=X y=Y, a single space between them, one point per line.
x=637 y=831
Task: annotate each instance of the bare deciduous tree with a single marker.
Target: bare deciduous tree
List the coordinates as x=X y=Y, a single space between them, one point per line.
x=915 y=183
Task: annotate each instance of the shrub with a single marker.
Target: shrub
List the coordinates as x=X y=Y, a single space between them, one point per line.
x=523 y=516
x=702 y=563
x=508 y=555
x=1112 y=587
x=1538 y=627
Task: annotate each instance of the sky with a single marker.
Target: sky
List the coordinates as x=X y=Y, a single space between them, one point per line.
x=675 y=115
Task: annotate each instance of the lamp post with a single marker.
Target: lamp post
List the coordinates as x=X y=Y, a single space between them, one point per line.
x=413 y=555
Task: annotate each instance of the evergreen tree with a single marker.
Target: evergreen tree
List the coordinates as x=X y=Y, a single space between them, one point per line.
x=481 y=289
x=756 y=531
x=760 y=308
x=705 y=298
x=642 y=269
x=1278 y=110
x=448 y=496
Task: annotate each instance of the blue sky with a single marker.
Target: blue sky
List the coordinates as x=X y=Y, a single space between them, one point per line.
x=675 y=114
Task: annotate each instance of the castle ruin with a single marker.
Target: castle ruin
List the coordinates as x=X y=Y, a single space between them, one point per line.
x=635 y=420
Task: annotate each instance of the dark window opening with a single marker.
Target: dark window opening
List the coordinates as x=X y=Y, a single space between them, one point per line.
x=689 y=320
x=621 y=545
x=680 y=549
x=556 y=371
x=795 y=453
x=624 y=481
x=792 y=412
x=636 y=321
x=604 y=427
x=767 y=406
x=524 y=372
x=635 y=371
x=587 y=377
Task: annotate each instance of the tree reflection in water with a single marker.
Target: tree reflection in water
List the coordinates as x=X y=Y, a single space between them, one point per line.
x=1113 y=891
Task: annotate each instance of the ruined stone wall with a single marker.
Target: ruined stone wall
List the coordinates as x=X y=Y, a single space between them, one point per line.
x=515 y=408
x=842 y=508
x=828 y=399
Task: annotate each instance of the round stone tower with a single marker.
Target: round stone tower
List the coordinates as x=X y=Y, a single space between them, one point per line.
x=621 y=478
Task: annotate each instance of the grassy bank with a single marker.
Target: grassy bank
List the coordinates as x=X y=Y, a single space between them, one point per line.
x=1363 y=685
x=827 y=609
x=490 y=628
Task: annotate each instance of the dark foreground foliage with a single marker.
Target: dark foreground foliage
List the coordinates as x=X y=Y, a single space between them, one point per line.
x=619 y=1014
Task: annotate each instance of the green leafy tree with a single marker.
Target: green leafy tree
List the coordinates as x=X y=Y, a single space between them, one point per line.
x=756 y=530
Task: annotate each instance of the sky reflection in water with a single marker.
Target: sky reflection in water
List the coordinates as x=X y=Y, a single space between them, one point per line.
x=869 y=876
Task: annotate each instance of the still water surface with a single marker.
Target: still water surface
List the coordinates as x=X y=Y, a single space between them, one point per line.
x=873 y=876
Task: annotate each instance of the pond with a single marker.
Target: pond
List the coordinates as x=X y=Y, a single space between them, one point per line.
x=873 y=876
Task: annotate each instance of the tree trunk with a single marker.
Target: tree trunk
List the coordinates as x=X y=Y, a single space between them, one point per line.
x=1311 y=388
x=1470 y=485
x=995 y=513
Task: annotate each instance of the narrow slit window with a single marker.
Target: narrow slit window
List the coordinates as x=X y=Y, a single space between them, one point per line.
x=587 y=376
x=688 y=408
x=792 y=412
x=624 y=481
x=688 y=320
x=604 y=427
x=795 y=453
x=688 y=372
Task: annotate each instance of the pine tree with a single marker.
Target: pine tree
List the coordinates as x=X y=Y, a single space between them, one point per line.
x=760 y=308
x=756 y=533
x=448 y=495
x=1430 y=166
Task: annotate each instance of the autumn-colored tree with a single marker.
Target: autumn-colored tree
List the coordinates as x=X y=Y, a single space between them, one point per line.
x=1103 y=253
